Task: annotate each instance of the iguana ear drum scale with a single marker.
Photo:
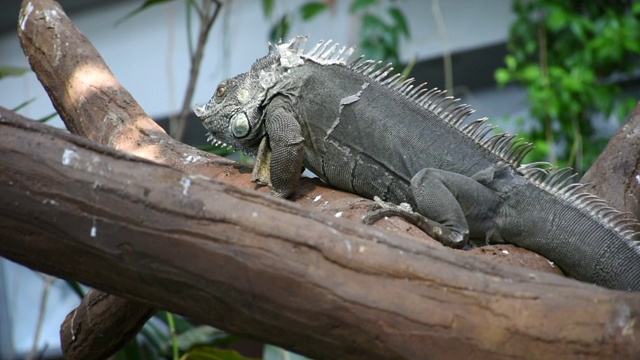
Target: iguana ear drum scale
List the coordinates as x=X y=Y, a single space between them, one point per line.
x=363 y=131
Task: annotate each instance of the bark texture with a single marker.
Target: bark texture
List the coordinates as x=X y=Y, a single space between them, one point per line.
x=246 y=263
x=615 y=175
x=93 y=338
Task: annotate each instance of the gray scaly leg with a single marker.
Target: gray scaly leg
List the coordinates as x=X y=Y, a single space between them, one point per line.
x=450 y=207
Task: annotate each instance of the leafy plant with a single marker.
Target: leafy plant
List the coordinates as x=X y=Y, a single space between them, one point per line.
x=380 y=38
x=568 y=55
x=6 y=71
x=383 y=25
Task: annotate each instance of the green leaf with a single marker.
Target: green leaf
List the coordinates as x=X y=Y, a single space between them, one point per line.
x=142 y=7
x=279 y=30
x=400 y=20
x=502 y=76
x=75 y=286
x=12 y=71
x=199 y=335
x=267 y=7
x=358 y=5
x=531 y=73
x=557 y=19
x=213 y=353
x=153 y=335
x=312 y=9
x=48 y=117
x=24 y=104
x=511 y=62
x=271 y=352
x=541 y=150
x=407 y=69
x=131 y=351
x=372 y=23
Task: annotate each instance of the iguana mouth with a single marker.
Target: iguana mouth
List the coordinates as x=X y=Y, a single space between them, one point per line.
x=211 y=138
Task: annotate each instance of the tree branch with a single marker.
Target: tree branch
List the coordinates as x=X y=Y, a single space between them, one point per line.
x=244 y=262
x=207 y=17
x=614 y=176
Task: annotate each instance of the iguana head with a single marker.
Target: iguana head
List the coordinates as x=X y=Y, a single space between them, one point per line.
x=233 y=116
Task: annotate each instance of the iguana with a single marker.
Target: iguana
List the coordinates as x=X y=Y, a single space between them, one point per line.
x=363 y=131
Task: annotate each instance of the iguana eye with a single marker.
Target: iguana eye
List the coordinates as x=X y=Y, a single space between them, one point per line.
x=221 y=90
x=239 y=125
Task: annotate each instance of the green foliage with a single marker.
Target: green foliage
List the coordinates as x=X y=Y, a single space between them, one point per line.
x=275 y=353
x=566 y=54
x=384 y=25
x=43 y=119
x=147 y=4
x=380 y=38
x=6 y=71
x=170 y=336
x=306 y=12
x=311 y=10
x=212 y=353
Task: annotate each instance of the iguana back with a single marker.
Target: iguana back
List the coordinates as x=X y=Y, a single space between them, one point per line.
x=371 y=139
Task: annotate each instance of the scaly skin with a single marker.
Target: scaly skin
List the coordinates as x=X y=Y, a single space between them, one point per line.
x=371 y=135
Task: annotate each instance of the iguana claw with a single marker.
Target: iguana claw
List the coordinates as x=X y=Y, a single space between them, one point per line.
x=380 y=209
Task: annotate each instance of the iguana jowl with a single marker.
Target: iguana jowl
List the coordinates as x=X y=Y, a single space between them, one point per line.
x=367 y=133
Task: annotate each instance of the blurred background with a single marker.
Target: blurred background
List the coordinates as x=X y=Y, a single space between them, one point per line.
x=563 y=74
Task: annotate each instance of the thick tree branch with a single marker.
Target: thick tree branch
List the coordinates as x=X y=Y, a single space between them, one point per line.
x=244 y=262
x=616 y=173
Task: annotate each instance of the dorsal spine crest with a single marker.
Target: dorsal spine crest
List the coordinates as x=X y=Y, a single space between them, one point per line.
x=506 y=147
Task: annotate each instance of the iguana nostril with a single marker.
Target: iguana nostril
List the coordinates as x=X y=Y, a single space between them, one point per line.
x=200 y=110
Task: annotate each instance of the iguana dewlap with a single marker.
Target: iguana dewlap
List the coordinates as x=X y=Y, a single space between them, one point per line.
x=373 y=135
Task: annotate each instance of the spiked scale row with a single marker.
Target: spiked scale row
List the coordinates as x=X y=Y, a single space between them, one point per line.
x=506 y=146
x=559 y=181
x=512 y=150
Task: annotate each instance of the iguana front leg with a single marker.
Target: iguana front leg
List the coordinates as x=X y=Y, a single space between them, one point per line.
x=461 y=204
x=287 y=154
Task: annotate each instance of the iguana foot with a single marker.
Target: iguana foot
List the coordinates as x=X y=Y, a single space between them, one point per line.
x=445 y=236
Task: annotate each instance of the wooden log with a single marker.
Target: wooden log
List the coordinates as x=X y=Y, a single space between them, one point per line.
x=273 y=270
x=614 y=175
x=92 y=337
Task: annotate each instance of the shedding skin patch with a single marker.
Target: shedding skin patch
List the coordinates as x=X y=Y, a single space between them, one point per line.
x=343 y=102
x=290 y=55
x=267 y=79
